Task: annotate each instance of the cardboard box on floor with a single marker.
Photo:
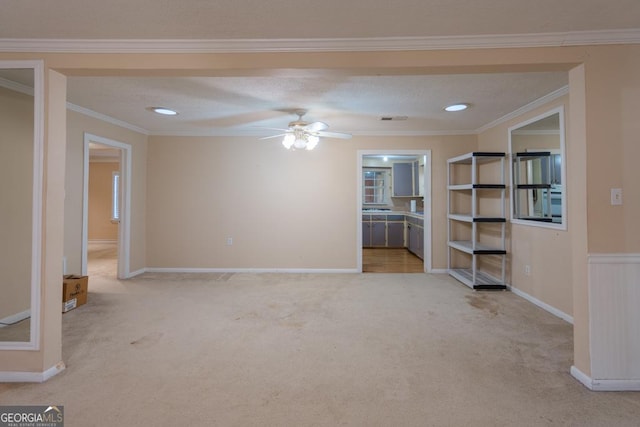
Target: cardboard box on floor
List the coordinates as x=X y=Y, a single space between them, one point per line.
x=74 y=291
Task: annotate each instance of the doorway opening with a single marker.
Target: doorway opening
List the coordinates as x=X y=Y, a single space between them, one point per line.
x=106 y=202
x=394 y=211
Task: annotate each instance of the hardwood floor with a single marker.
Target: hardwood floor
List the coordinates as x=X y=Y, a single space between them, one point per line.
x=385 y=260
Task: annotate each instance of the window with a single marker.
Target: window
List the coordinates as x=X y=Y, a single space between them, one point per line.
x=376 y=186
x=115 y=196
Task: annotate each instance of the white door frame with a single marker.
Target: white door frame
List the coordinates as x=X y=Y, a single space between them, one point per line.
x=124 y=230
x=427 y=202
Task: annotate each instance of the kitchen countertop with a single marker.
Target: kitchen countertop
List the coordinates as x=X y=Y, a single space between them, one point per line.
x=384 y=212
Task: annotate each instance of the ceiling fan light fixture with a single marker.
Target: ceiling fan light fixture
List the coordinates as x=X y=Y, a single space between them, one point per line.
x=288 y=140
x=300 y=140
x=457 y=107
x=312 y=141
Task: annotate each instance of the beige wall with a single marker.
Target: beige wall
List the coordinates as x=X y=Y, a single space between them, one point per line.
x=550 y=280
x=100 y=194
x=77 y=125
x=16 y=193
x=283 y=209
x=613 y=148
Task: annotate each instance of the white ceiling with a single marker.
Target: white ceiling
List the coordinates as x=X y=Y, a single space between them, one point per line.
x=244 y=105
x=354 y=104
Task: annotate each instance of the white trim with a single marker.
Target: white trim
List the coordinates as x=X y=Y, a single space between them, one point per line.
x=15 y=318
x=249 y=270
x=37 y=196
x=32 y=377
x=105 y=118
x=124 y=231
x=623 y=258
x=525 y=109
x=137 y=273
x=543 y=305
x=426 y=197
x=16 y=87
x=491 y=41
x=604 y=385
x=102 y=241
x=439 y=271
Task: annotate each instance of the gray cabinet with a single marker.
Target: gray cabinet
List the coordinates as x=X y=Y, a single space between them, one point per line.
x=366 y=231
x=415 y=236
x=386 y=230
x=402 y=180
x=406 y=179
x=378 y=233
x=395 y=234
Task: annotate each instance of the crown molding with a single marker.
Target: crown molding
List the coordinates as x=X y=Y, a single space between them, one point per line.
x=571 y=38
x=105 y=118
x=525 y=109
x=15 y=86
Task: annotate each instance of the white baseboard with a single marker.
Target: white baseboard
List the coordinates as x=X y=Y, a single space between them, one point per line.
x=15 y=318
x=32 y=377
x=605 y=385
x=561 y=314
x=439 y=271
x=249 y=270
x=103 y=241
x=136 y=273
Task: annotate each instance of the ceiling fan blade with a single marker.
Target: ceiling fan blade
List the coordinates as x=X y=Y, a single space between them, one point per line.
x=273 y=136
x=316 y=126
x=280 y=129
x=340 y=135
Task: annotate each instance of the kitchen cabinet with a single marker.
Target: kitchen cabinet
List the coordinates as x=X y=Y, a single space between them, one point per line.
x=478 y=236
x=402 y=179
x=366 y=231
x=415 y=236
x=406 y=179
x=383 y=230
x=395 y=234
x=379 y=233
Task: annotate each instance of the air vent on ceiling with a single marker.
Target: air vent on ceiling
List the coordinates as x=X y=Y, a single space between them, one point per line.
x=394 y=118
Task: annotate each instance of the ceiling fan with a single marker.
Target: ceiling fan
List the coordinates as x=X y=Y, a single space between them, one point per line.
x=305 y=135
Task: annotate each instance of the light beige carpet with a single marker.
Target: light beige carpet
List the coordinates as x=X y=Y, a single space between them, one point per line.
x=316 y=350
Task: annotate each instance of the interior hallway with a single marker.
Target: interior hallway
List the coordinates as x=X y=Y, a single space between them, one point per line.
x=316 y=349
x=102 y=259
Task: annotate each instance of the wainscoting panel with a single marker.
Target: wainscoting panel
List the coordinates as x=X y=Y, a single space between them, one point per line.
x=614 y=316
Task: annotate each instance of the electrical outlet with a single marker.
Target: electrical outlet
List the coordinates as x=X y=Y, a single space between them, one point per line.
x=616 y=196
x=527 y=270
x=229 y=241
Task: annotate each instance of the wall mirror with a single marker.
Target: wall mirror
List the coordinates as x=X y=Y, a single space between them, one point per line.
x=538 y=190
x=21 y=130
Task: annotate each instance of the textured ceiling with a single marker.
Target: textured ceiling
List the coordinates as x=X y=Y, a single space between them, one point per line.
x=246 y=105
x=355 y=104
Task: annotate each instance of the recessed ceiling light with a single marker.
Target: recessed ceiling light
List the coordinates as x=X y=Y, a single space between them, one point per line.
x=456 y=107
x=164 y=111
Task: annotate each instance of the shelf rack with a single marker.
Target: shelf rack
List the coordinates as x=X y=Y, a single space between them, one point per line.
x=472 y=276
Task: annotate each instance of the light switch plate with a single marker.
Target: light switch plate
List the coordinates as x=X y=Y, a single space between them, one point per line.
x=616 y=196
